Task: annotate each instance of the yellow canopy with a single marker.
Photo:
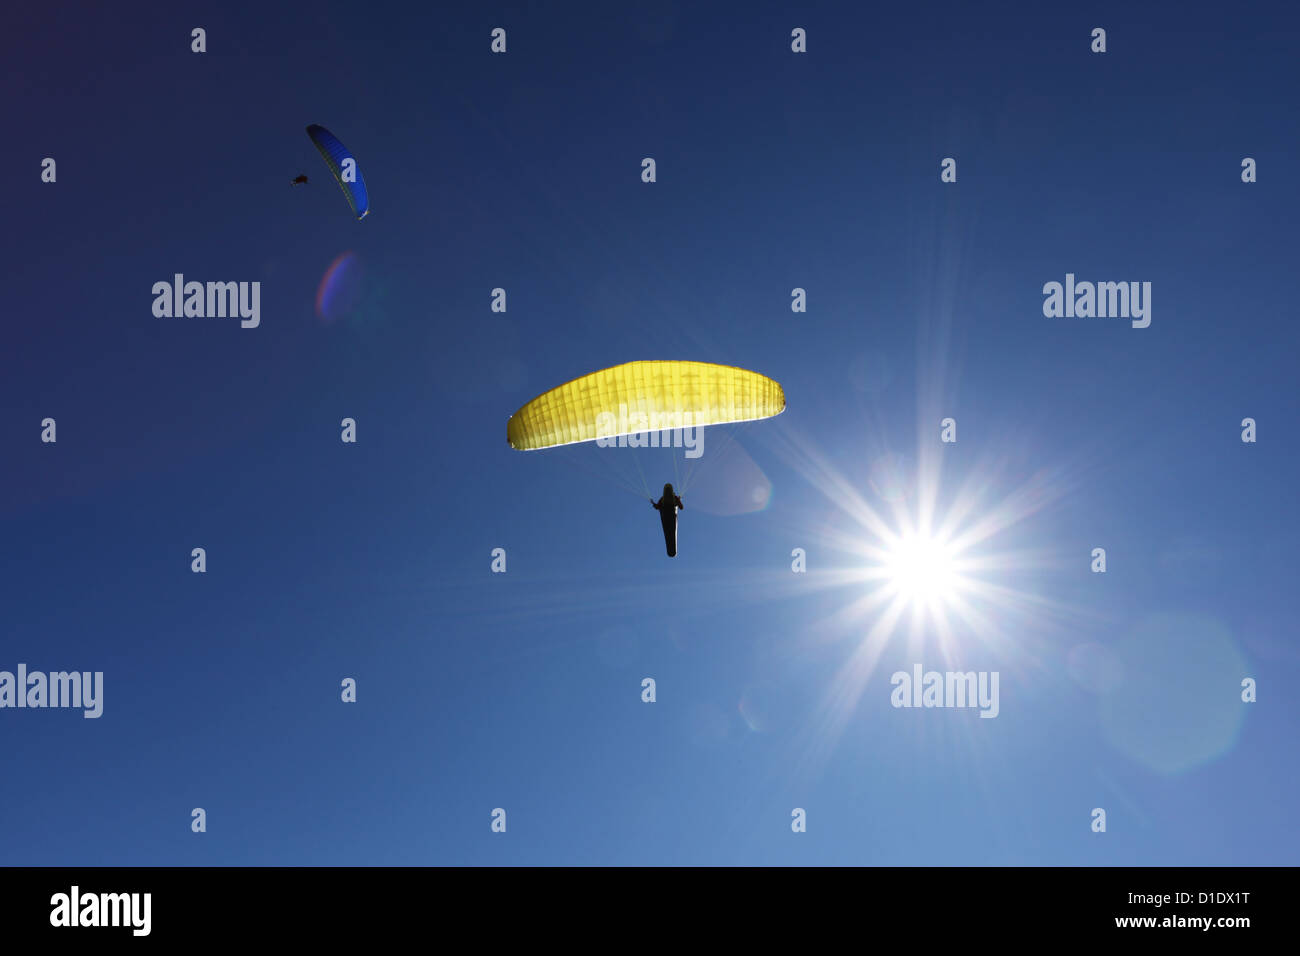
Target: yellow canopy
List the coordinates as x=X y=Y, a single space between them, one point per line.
x=643 y=396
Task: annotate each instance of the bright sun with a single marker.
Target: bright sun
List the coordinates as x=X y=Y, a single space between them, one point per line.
x=922 y=570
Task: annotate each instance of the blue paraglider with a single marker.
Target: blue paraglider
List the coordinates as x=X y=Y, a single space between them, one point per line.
x=344 y=167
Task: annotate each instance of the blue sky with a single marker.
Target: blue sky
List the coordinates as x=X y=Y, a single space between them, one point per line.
x=522 y=690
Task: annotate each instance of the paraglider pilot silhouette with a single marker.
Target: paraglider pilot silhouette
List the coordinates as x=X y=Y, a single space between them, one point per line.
x=667 y=506
x=638 y=397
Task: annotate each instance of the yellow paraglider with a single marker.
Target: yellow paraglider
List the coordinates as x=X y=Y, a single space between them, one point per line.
x=641 y=397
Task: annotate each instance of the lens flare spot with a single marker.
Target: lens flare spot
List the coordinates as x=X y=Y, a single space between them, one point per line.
x=339 y=292
x=766 y=707
x=889 y=477
x=1180 y=706
x=1095 y=668
x=725 y=481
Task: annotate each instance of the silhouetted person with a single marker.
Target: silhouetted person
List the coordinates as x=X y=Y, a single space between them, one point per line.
x=667 y=507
